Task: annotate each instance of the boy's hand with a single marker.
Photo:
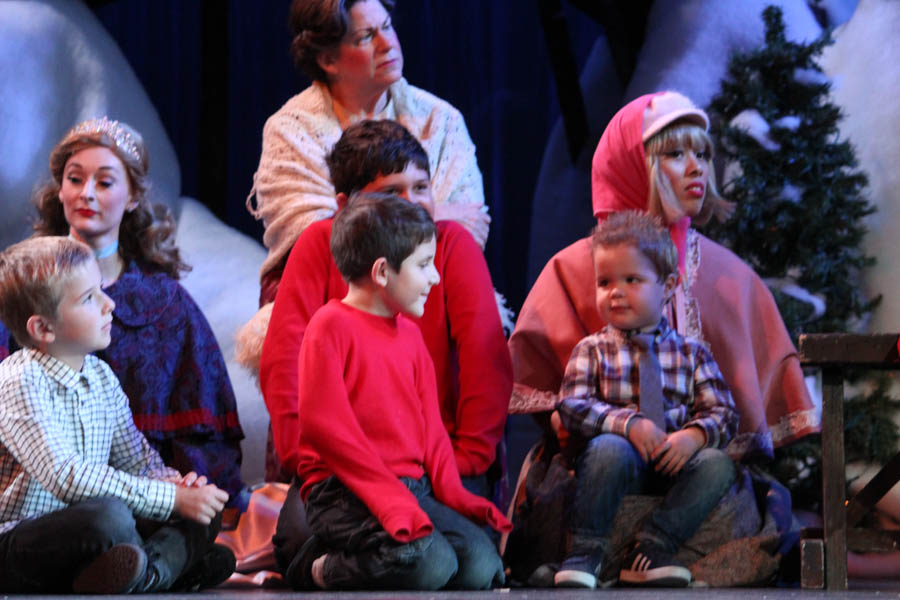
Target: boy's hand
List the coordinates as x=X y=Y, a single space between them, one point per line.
x=678 y=448
x=199 y=503
x=645 y=436
x=471 y=216
x=189 y=480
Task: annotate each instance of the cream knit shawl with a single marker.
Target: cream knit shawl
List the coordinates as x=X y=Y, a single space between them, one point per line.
x=292 y=185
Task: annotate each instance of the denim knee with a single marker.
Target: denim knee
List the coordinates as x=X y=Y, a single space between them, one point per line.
x=611 y=457
x=716 y=468
x=479 y=565
x=433 y=563
x=106 y=522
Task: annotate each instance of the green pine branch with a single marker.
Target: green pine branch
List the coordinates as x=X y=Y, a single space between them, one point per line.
x=800 y=211
x=813 y=235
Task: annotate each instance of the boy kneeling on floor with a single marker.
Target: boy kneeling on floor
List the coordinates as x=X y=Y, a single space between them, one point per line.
x=382 y=490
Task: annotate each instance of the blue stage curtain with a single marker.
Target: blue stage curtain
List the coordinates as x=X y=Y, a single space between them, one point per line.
x=216 y=70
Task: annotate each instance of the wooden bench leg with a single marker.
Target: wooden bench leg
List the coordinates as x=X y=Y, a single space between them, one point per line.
x=812 y=564
x=834 y=480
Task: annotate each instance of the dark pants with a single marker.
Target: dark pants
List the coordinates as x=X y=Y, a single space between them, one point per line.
x=45 y=554
x=292 y=529
x=610 y=467
x=362 y=555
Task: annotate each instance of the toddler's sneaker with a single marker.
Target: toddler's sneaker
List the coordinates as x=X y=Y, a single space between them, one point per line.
x=648 y=564
x=579 y=571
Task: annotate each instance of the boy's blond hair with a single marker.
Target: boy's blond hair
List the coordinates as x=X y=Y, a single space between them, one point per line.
x=643 y=231
x=33 y=275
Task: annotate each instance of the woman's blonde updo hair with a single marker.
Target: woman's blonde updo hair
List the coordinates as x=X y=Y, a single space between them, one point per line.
x=147 y=232
x=687 y=135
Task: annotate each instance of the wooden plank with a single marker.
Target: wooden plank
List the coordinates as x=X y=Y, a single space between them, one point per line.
x=812 y=564
x=833 y=479
x=874 y=350
x=860 y=539
x=873 y=491
x=872 y=540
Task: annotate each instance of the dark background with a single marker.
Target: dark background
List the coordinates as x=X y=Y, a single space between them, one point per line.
x=216 y=69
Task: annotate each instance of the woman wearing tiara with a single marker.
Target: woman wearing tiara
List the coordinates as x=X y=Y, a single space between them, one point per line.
x=163 y=350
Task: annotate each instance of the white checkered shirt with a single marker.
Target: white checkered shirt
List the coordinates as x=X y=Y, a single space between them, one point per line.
x=66 y=436
x=600 y=392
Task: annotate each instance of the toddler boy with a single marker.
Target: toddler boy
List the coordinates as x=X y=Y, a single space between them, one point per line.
x=381 y=487
x=85 y=501
x=652 y=407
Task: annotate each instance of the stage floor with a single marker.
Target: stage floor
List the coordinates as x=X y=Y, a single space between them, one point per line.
x=860 y=590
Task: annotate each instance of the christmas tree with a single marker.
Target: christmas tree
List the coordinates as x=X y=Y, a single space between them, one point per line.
x=798 y=221
x=799 y=194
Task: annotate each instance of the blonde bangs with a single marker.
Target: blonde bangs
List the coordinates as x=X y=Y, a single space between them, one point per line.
x=684 y=135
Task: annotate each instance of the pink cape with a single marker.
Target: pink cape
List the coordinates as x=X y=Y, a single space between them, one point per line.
x=729 y=306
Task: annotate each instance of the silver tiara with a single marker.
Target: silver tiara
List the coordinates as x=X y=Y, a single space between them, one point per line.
x=113 y=129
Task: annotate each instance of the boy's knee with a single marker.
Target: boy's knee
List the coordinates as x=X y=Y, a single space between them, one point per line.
x=432 y=562
x=716 y=467
x=611 y=446
x=610 y=455
x=479 y=567
x=106 y=521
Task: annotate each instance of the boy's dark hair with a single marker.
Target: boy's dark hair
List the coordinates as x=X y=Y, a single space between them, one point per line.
x=369 y=149
x=33 y=274
x=376 y=225
x=643 y=231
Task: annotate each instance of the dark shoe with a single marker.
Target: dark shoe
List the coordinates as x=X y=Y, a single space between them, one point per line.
x=650 y=565
x=213 y=568
x=299 y=573
x=117 y=571
x=578 y=571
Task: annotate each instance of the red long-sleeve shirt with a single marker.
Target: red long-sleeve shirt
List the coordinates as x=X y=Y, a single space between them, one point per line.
x=461 y=328
x=368 y=414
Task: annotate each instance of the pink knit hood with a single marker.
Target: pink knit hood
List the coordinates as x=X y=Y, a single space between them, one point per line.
x=619 y=177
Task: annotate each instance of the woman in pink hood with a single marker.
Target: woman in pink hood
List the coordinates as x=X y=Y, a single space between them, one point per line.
x=655 y=155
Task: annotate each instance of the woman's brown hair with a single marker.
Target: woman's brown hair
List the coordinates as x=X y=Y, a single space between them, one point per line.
x=319 y=26
x=147 y=232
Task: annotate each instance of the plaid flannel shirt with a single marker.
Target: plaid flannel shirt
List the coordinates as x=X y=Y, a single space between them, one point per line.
x=66 y=436
x=600 y=392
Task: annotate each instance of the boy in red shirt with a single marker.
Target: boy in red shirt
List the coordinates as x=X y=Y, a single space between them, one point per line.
x=381 y=487
x=461 y=324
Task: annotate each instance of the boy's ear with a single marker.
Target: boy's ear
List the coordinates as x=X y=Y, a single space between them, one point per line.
x=40 y=329
x=341 y=200
x=669 y=285
x=379 y=272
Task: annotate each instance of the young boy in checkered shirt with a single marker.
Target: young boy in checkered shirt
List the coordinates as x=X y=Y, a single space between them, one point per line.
x=650 y=406
x=86 y=504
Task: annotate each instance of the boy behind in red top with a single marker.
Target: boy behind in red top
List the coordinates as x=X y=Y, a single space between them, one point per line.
x=382 y=491
x=461 y=325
